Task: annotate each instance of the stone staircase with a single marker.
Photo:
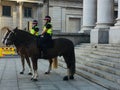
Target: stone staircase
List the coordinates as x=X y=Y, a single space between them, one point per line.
x=98 y=63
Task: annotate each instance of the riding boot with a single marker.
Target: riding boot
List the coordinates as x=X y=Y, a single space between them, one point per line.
x=43 y=52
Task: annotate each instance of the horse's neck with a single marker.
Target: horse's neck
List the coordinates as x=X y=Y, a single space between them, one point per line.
x=23 y=38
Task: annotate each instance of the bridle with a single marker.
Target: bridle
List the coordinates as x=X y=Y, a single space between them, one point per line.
x=7 y=36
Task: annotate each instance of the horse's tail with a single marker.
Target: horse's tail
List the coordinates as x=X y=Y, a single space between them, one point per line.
x=55 y=63
x=73 y=67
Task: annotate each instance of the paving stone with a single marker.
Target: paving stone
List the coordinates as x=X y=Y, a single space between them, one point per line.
x=10 y=79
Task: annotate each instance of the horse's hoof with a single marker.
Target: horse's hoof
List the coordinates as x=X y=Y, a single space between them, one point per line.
x=21 y=72
x=47 y=72
x=35 y=79
x=65 y=78
x=31 y=78
x=30 y=73
x=71 y=77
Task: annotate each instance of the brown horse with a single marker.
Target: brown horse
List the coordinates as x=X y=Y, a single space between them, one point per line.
x=61 y=47
x=21 y=50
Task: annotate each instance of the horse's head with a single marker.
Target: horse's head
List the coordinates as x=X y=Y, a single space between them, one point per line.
x=9 y=36
x=17 y=37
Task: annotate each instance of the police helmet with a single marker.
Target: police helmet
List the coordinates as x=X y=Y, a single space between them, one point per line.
x=47 y=18
x=35 y=22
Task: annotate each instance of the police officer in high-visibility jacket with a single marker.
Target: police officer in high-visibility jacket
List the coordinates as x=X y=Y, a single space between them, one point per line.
x=47 y=34
x=35 y=28
x=47 y=28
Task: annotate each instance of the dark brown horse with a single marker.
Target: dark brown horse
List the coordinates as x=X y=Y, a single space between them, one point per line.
x=61 y=47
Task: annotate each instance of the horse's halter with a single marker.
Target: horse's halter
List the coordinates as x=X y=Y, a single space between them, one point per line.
x=7 y=39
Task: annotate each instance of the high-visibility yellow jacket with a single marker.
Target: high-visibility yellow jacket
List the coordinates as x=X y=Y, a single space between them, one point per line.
x=34 y=30
x=48 y=26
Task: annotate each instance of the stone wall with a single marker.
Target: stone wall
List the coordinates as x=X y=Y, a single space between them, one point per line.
x=66 y=15
x=14 y=20
x=76 y=38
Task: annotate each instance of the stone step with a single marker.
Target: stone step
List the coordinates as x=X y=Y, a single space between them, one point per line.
x=83 y=45
x=109 y=53
x=100 y=73
x=104 y=68
x=96 y=79
x=109 y=50
x=103 y=82
x=109 y=46
x=115 y=55
x=104 y=48
x=99 y=55
x=106 y=58
x=99 y=63
x=114 y=63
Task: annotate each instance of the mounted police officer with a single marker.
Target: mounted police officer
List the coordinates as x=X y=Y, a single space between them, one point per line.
x=46 y=34
x=47 y=29
x=35 y=28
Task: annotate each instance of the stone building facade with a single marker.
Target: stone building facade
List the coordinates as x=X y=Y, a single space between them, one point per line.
x=98 y=18
x=66 y=14
x=101 y=19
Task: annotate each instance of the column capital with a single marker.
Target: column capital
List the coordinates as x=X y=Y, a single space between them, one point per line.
x=20 y=2
x=20 y=14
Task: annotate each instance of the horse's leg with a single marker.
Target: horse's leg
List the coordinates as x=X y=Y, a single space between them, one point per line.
x=23 y=64
x=72 y=66
x=35 y=73
x=68 y=70
x=70 y=62
x=29 y=64
x=50 y=66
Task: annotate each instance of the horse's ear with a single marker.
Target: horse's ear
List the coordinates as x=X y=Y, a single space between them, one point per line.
x=5 y=28
x=16 y=28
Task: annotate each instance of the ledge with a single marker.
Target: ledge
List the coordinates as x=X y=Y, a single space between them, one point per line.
x=76 y=38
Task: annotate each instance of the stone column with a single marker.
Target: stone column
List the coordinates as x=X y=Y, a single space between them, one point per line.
x=114 y=32
x=15 y=16
x=20 y=14
x=89 y=15
x=118 y=19
x=105 y=13
x=40 y=18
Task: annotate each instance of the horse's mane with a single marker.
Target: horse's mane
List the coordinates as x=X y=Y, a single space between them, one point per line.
x=23 y=37
x=23 y=33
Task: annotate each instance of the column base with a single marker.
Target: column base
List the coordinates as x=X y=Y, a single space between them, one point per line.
x=114 y=35
x=86 y=29
x=99 y=36
x=87 y=32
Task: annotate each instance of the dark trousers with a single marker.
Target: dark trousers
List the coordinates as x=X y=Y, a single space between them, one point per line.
x=45 y=41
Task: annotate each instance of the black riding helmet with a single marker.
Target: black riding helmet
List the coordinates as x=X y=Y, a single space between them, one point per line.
x=35 y=22
x=47 y=18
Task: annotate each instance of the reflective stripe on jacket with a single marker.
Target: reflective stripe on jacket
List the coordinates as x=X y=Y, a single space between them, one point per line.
x=32 y=31
x=49 y=31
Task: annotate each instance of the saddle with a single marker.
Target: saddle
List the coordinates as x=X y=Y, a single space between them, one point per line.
x=44 y=44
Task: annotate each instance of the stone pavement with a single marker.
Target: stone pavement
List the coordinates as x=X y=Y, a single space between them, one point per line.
x=10 y=79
